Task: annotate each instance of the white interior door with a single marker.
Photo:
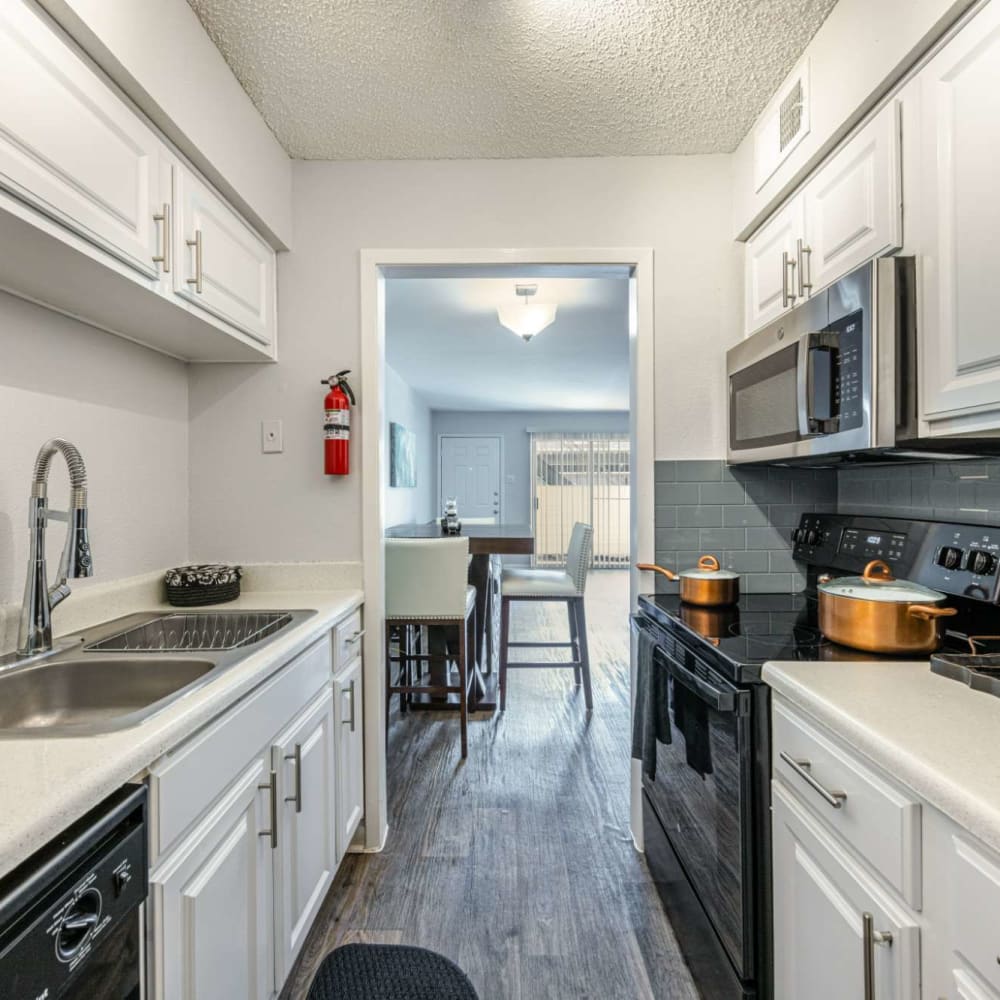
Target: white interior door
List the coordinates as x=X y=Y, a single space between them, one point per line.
x=470 y=472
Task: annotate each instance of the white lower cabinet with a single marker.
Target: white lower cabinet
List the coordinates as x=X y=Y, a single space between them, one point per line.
x=349 y=707
x=303 y=755
x=820 y=905
x=212 y=902
x=248 y=821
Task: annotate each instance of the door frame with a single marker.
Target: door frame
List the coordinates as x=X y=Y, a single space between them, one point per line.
x=503 y=493
x=373 y=264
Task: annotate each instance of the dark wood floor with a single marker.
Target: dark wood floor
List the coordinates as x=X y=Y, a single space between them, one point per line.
x=518 y=864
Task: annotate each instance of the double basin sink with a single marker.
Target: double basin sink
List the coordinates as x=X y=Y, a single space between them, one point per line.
x=123 y=672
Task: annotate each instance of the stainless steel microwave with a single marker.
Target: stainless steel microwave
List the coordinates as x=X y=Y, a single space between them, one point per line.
x=836 y=378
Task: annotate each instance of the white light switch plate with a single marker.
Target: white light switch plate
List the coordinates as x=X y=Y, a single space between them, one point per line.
x=270 y=437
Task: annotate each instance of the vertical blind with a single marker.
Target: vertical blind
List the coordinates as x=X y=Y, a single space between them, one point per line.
x=581 y=476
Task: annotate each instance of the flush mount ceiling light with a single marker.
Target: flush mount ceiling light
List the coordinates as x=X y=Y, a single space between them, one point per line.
x=529 y=318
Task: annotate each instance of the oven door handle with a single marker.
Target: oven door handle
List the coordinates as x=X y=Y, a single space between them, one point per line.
x=714 y=697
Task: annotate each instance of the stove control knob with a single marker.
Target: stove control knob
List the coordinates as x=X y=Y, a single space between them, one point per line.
x=812 y=537
x=981 y=563
x=949 y=557
x=797 y=535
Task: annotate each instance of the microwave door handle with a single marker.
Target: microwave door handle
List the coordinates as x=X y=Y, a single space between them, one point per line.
x=802 y=384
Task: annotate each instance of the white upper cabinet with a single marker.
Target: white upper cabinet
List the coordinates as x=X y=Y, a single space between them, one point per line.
x=848 y=212
x=223 y=266
x=771 y=262
x=959 y=206
x=71 y=148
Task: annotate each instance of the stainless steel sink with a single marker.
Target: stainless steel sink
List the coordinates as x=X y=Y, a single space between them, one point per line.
x=92 y=693
x=123 y=672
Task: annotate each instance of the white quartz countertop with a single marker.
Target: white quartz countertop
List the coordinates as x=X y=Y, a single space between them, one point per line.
x=48 y=783
x=933 y=734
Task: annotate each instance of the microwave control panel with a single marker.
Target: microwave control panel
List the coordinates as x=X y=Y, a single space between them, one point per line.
x=848 y=395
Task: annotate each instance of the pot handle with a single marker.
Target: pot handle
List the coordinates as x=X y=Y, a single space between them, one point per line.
x=709 y=563
x=878 y=571
x=653 y=568
x=924 y=612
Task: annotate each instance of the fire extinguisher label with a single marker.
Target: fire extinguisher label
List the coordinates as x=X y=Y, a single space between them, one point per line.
x=337 y=425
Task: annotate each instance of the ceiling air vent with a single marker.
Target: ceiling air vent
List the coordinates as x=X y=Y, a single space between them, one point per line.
x=782 y=125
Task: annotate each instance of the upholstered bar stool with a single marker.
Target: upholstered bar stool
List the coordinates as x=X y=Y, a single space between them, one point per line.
x=551 y=585
x=426 y=584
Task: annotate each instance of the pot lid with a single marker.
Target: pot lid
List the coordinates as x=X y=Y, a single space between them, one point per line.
x=878 y=584
x=708 y=568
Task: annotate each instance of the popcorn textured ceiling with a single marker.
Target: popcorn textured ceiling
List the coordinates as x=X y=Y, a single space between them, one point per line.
x=433 y=79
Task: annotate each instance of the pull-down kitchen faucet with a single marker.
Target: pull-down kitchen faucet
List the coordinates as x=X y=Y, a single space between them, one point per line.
x=35 y=633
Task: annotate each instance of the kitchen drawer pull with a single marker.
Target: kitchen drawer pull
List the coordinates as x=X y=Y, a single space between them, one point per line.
x=196 y=243
x=297 y=797
x=164 y=256
x=352 y=639
x=272 y=787
x=801 y=768
x=869 y=938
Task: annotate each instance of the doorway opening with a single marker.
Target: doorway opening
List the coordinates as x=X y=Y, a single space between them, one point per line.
x=477 y=424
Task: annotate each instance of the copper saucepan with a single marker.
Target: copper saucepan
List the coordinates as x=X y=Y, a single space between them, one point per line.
x=880 y=614
x=707 y=584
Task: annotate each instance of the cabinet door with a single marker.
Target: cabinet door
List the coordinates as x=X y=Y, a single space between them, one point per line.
x=770 y=287
x=819 y=901
x=307 y=847
x=960 y=202
x=235 y=266
x=349 y=713
x=212 y=902
x=70 y=147
x=853 y=206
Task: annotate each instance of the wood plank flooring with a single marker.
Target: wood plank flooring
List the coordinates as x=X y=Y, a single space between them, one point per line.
x=519 y=864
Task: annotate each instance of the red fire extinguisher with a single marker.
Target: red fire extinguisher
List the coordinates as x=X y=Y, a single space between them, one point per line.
x=337 y=424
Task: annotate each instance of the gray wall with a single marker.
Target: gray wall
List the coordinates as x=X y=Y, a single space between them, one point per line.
x=404 y=405
x=744 y=516
x=967 y=492
x=513 y=427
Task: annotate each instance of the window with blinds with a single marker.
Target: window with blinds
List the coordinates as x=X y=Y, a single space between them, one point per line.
x=581 y=476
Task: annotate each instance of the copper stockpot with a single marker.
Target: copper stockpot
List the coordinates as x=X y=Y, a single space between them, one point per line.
x=707 y=585
x=880 y=614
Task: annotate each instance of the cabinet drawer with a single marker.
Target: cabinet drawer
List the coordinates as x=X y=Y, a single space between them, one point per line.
x=880 y=823
x=347 y=640
x=185 y=782
x=974 y=881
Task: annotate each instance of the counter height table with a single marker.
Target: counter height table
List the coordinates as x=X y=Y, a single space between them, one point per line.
x=485 y=542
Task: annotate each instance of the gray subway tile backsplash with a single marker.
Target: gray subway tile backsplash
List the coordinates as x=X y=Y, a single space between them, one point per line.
x=744 y=515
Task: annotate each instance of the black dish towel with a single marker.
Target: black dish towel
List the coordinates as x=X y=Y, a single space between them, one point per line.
x=691 y=720
x=651 y=721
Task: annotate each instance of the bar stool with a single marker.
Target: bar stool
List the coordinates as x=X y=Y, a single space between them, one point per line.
x=426 y=584
x=551 y=585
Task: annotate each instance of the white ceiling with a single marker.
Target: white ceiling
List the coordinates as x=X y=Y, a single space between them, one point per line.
x=444 y=339
x=433 y=79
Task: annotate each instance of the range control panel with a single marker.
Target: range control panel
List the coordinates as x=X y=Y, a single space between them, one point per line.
x=958 y=559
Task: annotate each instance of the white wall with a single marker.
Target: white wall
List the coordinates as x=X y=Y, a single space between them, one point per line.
x=404 y=405
x=254 y=507
x=513 y=428
x=126 y=409
x=859 y=52
x=161 y=56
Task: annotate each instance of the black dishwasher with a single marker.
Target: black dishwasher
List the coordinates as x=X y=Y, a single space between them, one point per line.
x=70 y=923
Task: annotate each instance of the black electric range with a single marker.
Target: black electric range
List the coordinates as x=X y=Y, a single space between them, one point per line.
x=703 y=723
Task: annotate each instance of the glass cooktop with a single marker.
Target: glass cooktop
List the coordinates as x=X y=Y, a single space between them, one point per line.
x=762 y=627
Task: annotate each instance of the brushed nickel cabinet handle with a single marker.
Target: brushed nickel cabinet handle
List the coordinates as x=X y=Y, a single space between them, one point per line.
x=351 y=721
x=352 y=639
x=802 y=252
x=869 y=938
x=787 y=297
x=297 y=797
x=163 y=257
x=801 y=768
x=272 y=787
x=196 y=243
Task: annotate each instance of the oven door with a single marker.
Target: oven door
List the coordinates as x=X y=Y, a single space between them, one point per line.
x=700 y=786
